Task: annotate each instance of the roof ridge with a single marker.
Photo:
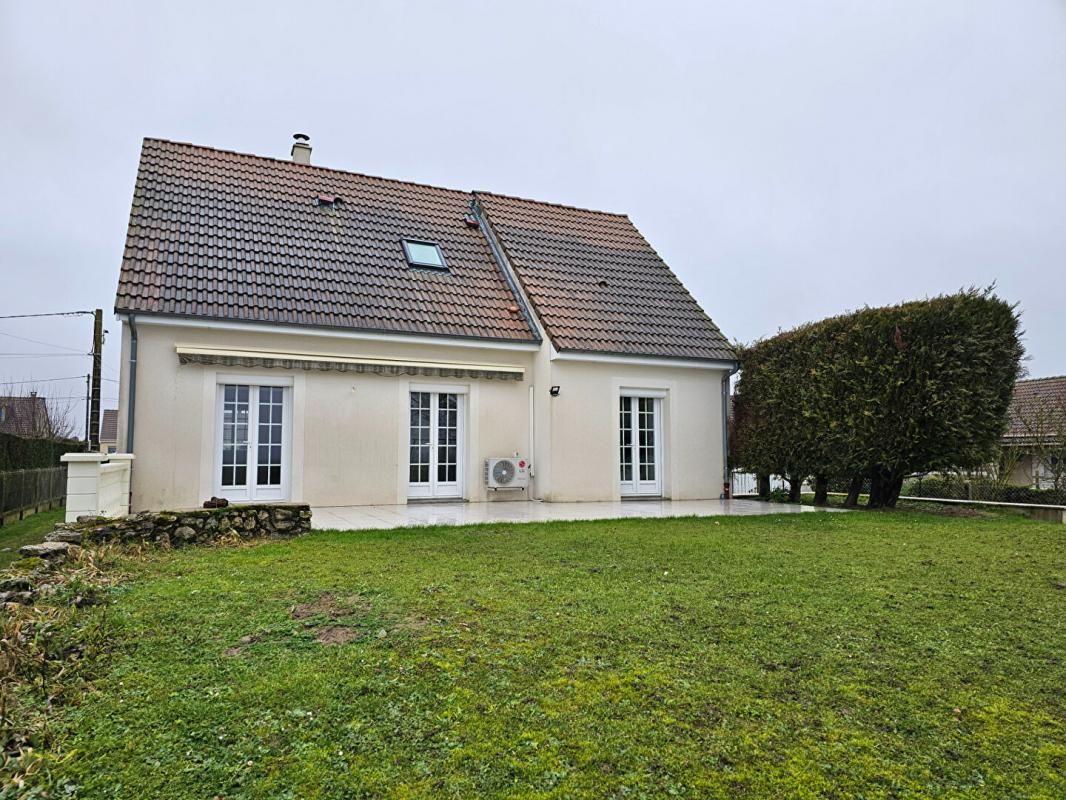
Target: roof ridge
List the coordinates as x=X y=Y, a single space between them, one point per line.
x=1045 y=378
x=353 y=173
x=419 y=184
x=567 y=206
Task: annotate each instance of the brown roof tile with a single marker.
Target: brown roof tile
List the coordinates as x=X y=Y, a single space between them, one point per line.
x=1038 y=409
x=24 y=416
x=241 y=237
x=109 y=425
x=597 y=285
x=226 y=235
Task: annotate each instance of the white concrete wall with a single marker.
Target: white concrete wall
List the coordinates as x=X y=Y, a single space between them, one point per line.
x=98 y=485
x=581 y=437
x=349 y=430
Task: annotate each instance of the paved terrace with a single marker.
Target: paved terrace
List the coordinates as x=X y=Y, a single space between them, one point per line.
x=414 y=514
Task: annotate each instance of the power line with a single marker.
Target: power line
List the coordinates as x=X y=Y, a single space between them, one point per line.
x=46 y=380
x=71 y=397
x=55 y=314
x=38 y=341
x=45 y=355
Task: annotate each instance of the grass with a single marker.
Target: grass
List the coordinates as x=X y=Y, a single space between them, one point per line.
x=30 y=530
x=800 y=656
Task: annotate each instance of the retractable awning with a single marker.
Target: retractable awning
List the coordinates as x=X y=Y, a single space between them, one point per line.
x=331 y=362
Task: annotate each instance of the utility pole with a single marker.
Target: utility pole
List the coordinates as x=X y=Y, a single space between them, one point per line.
x=88 y=395
x=94 y=391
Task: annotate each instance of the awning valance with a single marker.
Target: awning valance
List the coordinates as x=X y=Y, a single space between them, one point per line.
x=330 y=362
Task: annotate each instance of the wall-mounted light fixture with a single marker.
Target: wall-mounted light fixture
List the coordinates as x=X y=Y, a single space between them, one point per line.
x=554 y=391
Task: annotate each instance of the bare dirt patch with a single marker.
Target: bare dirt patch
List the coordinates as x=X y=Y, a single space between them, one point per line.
x=244 y=641
x=328 y=605
x=337 y=634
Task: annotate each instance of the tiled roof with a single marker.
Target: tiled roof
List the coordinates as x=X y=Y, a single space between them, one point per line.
x=24 y=416
x=109 y=425
x=597 y=285
x=241 y=237
x=1038 y=409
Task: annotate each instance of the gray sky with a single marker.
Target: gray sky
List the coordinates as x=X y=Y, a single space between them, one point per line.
x=790 y=160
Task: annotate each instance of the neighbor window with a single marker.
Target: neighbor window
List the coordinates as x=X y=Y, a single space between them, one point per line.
x=423 y=254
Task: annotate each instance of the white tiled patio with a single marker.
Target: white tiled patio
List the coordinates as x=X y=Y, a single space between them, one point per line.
x=415 y=514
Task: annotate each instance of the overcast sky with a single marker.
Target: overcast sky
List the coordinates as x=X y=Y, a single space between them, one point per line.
x=790 y=160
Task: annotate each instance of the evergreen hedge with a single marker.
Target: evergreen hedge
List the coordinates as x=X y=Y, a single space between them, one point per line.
x=18 y=452
x=880 y=393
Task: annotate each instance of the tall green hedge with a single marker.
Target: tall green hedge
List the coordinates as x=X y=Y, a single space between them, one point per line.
x=880 y=393
x=17 y=452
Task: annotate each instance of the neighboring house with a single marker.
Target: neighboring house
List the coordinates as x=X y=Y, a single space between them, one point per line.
x=1036 y=437
x=296 y=332
x=109 y=430
x=24 y=416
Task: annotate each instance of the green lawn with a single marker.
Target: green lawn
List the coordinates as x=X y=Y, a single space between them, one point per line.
x=805 y=656
x=30 y=530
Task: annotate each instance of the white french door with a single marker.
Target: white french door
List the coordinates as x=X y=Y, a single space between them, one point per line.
x=640 y=444
x=435 y=466
x=254 y=425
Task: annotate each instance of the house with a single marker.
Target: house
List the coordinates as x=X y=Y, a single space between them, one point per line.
x=109 y=430
x=1035 y=441
x=296 y=332
x=25 y=416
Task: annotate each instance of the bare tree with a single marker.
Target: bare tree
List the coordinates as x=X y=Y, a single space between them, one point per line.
x=38 y=416
x=1044 y=421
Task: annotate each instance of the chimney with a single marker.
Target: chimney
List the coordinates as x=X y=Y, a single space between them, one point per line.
x=301 y=149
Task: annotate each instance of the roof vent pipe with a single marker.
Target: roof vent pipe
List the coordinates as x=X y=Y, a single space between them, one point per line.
x=301 y=148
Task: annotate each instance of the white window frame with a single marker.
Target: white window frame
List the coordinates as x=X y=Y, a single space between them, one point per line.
x=636 y=488
x=250 y=492
x=430 y=490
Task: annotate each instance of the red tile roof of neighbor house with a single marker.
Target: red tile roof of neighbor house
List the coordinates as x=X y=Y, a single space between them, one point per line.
x=109 y=425
x=1038 y=408
x=241 y=237
x=24 y=416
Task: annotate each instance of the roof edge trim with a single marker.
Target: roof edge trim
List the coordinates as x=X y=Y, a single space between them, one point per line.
x=443 y=339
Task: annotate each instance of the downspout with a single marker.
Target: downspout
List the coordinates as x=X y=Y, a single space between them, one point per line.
x=727 y=487
x=131 y=399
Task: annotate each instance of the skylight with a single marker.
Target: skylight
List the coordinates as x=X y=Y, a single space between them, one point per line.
x=423 y=254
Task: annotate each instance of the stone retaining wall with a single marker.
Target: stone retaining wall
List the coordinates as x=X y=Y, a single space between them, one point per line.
x=195 y=526
x=22 y=584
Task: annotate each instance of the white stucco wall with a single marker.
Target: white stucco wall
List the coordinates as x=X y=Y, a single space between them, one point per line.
x=349 y=431
x=581 y=435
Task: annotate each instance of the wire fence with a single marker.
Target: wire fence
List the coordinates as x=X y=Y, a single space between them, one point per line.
x=27 y=491
x=973 y=486
x=983 y=488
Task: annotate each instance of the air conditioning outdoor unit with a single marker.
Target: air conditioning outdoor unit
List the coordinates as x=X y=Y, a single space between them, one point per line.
x=511 y=472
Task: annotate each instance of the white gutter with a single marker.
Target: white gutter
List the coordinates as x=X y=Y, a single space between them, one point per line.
x=641 y=361
x=330 y=333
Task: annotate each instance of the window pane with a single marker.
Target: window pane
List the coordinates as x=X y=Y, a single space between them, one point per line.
x=262 y=473
x=424 y=254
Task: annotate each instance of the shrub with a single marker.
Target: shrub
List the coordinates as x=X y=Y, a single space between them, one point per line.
x=881 y=392
x=18 y=452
